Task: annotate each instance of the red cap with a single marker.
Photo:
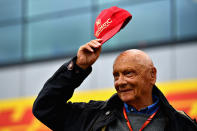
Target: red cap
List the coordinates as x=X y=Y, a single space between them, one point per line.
x=109 y=22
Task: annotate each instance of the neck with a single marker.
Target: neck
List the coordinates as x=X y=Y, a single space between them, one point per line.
x=140 y=104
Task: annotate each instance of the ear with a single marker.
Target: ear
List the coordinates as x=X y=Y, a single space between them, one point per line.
x=153 y=75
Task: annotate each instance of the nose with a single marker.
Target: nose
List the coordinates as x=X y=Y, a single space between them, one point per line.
x=120 y=82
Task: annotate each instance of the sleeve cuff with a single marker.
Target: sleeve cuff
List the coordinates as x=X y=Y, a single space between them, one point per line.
x=72 y=66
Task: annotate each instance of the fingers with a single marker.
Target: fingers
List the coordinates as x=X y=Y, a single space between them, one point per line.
x=92 y=45
x=88 y=53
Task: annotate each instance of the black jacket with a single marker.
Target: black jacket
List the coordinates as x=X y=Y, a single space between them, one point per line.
x=51 y=106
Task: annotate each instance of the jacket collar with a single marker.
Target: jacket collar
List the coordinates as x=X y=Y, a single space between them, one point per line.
x=163 y=101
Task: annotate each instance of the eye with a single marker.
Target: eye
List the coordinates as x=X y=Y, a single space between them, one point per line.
x=116 y=75
x=129 y=73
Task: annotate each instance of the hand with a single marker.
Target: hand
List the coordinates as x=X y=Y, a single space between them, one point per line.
x=88 y=53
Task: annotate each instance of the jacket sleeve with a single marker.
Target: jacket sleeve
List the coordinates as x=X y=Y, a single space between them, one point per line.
x=51 y=106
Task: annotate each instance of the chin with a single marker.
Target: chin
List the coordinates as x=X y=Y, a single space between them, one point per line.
x=126 y=98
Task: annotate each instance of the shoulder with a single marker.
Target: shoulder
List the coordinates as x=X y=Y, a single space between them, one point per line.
x=91 y=105
x=186 y=120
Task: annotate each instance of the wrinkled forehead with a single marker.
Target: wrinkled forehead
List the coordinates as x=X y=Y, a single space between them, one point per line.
x=133 y=58
x=123 y=58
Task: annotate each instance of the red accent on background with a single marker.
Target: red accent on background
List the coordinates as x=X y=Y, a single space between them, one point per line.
x=182 y=96
x=6 y=118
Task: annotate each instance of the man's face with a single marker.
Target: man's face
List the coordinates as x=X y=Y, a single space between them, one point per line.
x=132 y=79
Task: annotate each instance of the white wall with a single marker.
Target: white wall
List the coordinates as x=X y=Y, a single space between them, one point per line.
x=172 y=62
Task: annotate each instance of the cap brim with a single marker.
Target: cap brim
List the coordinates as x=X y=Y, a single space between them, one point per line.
x=111 y=33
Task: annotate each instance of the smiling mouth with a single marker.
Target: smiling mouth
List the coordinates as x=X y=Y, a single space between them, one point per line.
x=125 y=90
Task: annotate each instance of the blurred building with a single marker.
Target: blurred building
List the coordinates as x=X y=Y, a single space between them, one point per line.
x=38 y=36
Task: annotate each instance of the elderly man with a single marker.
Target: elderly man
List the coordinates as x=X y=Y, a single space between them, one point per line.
x=138 y=104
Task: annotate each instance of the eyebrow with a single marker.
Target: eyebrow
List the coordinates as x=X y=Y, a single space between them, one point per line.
x=127 y=69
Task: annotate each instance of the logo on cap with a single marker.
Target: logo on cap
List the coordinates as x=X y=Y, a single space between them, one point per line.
x=98 y=22
x=103 y=26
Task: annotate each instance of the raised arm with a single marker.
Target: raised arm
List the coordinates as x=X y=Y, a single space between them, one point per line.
x=51 y=106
